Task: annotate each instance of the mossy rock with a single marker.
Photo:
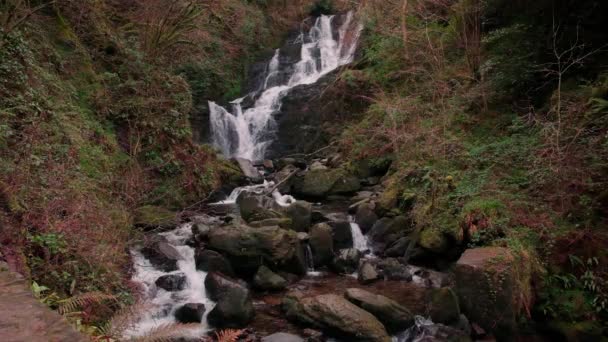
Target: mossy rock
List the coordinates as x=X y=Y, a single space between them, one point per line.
x=320 y=183
x=434 y=240
x=151 y=217
x=444 y=307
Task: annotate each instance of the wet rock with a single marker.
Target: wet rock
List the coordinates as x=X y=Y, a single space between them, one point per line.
x=342 y=235
x=285 y=178
x=392 y=269
x=388 y=230
x=283 y=222
x=334 y=313
x=317 y=165
x=190 y=313
x=321 y=243
x=211 y=261
x=347 y=261
x=282 y=337
x=394 y=316
x=366 y=217
x=433 y=240
x=493 y=287
x=248 y=248
x=249 y=170
x=444 y=307
x=318 y=183
x=171 y=282
x=234 y=308
x=300 y=213
x=162 y=255
x=200 y=231
x=367 y=272
x=265 y=279
x=268 y=164
x=256 y=207
x=398 y=248
x=151 y=217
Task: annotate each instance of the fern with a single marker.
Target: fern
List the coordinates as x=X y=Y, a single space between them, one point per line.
x=123 y=320
x=72 y=304
x=228 y=335
x=166 y=332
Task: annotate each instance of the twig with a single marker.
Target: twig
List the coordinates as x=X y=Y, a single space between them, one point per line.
x=269 y=193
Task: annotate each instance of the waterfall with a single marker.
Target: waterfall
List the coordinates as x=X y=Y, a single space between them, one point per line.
x=244 y=133
x=360 y=241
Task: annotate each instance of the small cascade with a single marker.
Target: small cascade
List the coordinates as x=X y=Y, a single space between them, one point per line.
x=246 y=133
x=164 y=303
x=280 y=199
x=310 y=262
x=360 y=241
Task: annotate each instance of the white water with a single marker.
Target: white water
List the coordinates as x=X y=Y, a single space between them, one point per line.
x=164 y=303
x=360 y=241
x=282 y=200
x=244 y=134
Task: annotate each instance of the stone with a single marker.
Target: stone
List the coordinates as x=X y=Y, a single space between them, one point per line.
x=282 y=337
x=394 y=316
x=171 y=282
x=253 y=207
x=392 y=269
x=234 y=308
x=346 y=185
x=342 y=235
x=283 y=222
x=427 y=331
x=190 y=313
x=162 y=255
x=366 y=217
x=347 y=261
x=211 y=261
x=433 y=239
x=249 y=170
x=398 y=248
x=321 y=243
x=317 y=165
x=388 y=199
x=443 y=307
x=268 y=164
x=318 y=183
x=248 y=248
x=151 y=217
x=285 y=178
x=300 y=213
x=334 y=313
x=265 y=279
x=388 y=230
x=367 y=273
x=493 y=287
x=200 y=231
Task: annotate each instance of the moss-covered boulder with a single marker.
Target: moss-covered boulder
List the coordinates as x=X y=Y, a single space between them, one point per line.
x=336 y=314
x=300 y=214
x=387 y=231
x=434 y=240
x=443 y=307
x=283 y=222
x=265 y=279
x=321 y=243
x=253 y=207
x=248 y=248
x=320 y=183
x=493 y=285
x=394 y=316
x=151 y=217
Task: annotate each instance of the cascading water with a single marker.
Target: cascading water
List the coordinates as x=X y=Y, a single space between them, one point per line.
x=244 y=133
x=360 y=241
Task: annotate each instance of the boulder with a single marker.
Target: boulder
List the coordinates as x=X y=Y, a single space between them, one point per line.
x=347 y=261
x=388 y=230
x=253 y=207
x=283 y=222
x=234 y=308
x=162 y=255
x=248 y=248
x=171 y=282
x=346 y=185
x=200 y=231
x=249 y=170
x=300 y=213
x=433 y=240
x=398 y=248
x=392 y=269
x=321 y=243
x=190 y=313
x=151 y=217
x=211 y=261
x=394 y=316
x=443 y=307
x=366 y=217
x=335 y=314
x=268 y=164
x=318 y=183
x=427 y=331
x=265 y=279
x=317 y=165
x=342 y=235
x=367 y=273
x=285 y=178
x=282 y=337
x=493 y=287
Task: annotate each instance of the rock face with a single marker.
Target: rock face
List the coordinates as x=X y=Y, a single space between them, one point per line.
x=162 y=256
x=347 y=261
x=321 y=243
x=248 y=248
x=393 y=315
x=249 y=170
x=489 y=284
x=234 y=308
x=335 y=314
x=444 y=307
x=190 y=313
x=265 y=279
x=172 y=282
x=211 y=261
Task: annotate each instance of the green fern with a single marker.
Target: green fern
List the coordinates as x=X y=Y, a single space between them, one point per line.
x=72 y=304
